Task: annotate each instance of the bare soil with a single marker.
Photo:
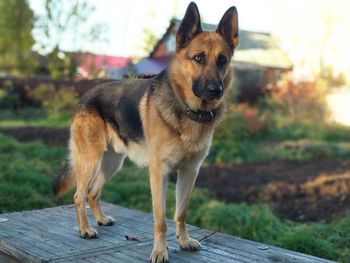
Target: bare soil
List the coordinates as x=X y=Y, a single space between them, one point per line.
x=298 y=190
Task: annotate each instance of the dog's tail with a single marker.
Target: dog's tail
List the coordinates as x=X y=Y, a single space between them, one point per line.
x=64 y=182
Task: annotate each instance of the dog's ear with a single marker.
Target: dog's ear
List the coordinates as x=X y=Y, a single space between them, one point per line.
x=228 y=27
x=190 y=26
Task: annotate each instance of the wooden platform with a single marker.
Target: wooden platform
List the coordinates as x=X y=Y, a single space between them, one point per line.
x=51 y=235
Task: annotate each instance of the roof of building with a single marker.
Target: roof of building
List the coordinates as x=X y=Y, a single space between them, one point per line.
x=89 y=62
x=152 y=65
x=255 y=48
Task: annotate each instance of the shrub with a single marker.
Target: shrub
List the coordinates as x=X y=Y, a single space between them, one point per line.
x=295 y=113
x=9 y=98
x=243 y=123
x=297 y=103
x=309 y=239
x=55 y=101
x=247 y=221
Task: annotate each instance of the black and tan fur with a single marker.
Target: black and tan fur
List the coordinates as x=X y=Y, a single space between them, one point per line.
x=164 y=123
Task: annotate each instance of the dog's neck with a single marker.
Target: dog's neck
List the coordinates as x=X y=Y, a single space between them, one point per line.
x=180 y=106
x=196 y=115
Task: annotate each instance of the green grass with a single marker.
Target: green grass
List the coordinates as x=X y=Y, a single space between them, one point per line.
x=231 y=143
x=27 y=170
x=235 y=142
x=253 y=151
x=33 y=117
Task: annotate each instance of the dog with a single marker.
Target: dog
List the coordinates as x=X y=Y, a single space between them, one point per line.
x=165 y=123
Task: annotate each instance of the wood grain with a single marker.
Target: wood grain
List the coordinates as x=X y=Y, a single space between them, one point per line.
x=51 y=235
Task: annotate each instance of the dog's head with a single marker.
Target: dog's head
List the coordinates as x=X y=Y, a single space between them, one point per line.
x=201 y=70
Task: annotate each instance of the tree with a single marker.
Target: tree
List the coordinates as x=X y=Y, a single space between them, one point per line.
x=16 y=40
x=62 y=22
x=149 y=40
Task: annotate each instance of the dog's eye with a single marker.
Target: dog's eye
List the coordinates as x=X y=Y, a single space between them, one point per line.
x=199 y=58
x=222 y=60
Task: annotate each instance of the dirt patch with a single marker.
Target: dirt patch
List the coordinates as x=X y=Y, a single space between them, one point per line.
x=298 y=190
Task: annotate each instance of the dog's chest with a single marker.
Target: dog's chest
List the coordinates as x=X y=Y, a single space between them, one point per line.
x=139 y=153
x=172 y=157
x=181 y=152
x=172 y=153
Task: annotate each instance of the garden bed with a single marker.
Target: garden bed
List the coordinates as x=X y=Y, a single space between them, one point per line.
x=298 y=190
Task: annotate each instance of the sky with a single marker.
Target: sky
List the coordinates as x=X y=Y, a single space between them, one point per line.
x=126 y=20
x=309 y=31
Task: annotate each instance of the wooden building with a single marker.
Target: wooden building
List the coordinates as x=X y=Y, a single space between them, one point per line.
x=258 y=62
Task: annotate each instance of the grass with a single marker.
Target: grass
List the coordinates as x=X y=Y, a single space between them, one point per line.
x=33 y=117
x=27 y=170
x=254 y=151
x=237 y=140
x=232 y=143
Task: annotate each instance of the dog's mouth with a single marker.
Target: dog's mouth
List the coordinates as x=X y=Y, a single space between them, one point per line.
x=211 y=91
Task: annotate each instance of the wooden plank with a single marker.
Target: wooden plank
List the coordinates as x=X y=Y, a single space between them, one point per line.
x=20 y=255
x=269 y=253
x=51 y=235
x=35 y=230
x=48 y=241
x=7 y=259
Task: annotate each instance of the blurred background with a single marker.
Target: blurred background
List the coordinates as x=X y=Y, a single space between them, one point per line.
x=279 y=167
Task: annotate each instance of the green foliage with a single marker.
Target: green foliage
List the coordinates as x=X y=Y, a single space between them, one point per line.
x=309 y=239
x=9 y=98
x=136 y=194
x=290 y=124
x=238 y=140
x=16 y=40
x=149 y=40
x=63 y=22
x=27 y=170
x=32 y=117
x=247 y=221
x=66 y=21
x=56 y=102
x=61 y=65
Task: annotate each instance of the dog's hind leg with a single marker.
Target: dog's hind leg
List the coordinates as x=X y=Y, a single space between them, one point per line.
x=101 y=218
x=87 y=145
x=110 y=164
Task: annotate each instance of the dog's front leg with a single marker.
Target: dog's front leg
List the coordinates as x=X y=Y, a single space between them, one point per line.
x=159 y=179
x=184 y=184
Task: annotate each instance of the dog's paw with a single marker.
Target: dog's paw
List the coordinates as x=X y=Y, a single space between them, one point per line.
x=190 y=245
x=88 y=233
x=159 y=256
x=106 y=221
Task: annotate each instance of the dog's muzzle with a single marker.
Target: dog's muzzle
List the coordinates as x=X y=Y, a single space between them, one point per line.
x=212 y=91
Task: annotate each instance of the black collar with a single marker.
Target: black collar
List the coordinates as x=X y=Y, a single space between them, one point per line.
x=201 y=116
x=196 y=115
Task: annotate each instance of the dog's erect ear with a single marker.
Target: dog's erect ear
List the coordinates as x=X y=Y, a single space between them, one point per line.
x=190 y=26
x=228 y=27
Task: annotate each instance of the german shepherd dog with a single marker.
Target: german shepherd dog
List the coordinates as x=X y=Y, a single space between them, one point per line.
x=165 y=123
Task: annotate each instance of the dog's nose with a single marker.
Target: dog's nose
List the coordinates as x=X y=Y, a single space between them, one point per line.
x=215 y=89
